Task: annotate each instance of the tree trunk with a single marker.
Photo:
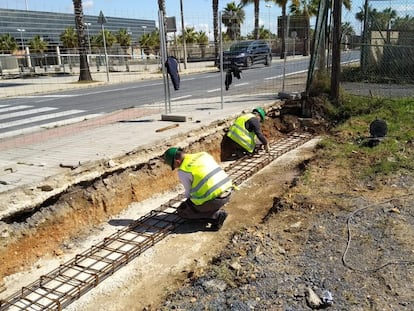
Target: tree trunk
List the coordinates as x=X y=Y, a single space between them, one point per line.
x=256 y=19
x=215 y=28
x=284 y=34
x=84 y=72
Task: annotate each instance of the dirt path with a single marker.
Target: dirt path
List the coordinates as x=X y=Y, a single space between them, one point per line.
x=145 y=281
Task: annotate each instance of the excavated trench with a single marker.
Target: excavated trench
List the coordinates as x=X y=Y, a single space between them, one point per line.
x=43 y=229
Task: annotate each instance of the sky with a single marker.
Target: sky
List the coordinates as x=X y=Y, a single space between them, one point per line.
x=197 y=13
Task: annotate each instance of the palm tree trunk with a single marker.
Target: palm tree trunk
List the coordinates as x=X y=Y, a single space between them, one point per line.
x=256 y=19
x=284 y=19
x=215 y=28
x=84 y=74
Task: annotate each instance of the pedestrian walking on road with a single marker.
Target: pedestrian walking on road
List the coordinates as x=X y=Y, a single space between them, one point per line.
x=207 y=186
x=241 y=136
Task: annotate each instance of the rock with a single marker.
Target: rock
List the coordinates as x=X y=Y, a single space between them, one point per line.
x=217 y=285
x=45 y=188
x=312 y=299
x=111 y=163
x=2 y=285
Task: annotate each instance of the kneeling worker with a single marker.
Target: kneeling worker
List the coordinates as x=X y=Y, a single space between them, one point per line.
x=241 y=137
x=207 y=186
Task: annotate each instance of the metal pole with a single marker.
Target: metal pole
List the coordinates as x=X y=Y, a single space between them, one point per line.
x=184 y=38
x=163 y=60
x=106 y=54
x=21 y=30
x=269 y=6
x=221 y=63
x=142 y=49
x=284 y=61
x=336 y=50
x=89 y=39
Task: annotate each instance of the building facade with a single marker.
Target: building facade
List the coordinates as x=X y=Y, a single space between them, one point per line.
x=24 y=25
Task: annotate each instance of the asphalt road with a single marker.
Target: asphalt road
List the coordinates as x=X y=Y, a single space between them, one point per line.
x=31 y=112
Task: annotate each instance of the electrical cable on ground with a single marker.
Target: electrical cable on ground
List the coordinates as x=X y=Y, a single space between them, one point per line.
x=344 y=261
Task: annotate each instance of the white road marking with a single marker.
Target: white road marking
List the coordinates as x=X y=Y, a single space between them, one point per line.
x=25 y=112
x=46 y=96
x=286 y=75
x=181 y=97
x=39 y=118
x=14 y=108
x=49 y=125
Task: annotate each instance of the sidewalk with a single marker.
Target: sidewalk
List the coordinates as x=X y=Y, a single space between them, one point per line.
x=38 y=166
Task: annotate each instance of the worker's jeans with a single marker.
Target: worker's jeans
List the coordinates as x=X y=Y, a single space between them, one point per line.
x=206 y=211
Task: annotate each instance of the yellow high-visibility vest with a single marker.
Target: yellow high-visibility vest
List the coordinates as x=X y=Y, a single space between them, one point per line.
x=240 y=135
x=209 y=179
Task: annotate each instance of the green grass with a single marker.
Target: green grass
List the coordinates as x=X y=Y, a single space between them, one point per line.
x=394 y=153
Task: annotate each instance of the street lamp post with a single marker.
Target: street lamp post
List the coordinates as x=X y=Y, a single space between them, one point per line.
x=102 y=20
x=21 y=30
x=142 y=48
x=89 y=39
x=269 y=6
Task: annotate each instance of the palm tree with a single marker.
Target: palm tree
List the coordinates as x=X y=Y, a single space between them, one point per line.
x=215 y=28
x=305 y=9
x=256 y=15
x=263 y=34
x=202 y=40
x=7 y=44
x=69 y=38
x=161 y=7
x=233 y=17
x=150 y=42
x=283 y=5
x=84 y=72
x=110 y=39
x=37 y=45
x=123 y=38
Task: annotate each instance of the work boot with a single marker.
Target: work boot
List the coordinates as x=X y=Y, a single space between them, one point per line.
x=218 y=223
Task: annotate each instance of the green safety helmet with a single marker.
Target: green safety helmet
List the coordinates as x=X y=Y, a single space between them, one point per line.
x=169 y=156
x=261 y=112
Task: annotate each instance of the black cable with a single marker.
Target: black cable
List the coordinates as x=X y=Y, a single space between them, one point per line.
x=408 y=262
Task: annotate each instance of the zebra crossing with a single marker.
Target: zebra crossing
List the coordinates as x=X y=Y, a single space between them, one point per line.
x=23 y=119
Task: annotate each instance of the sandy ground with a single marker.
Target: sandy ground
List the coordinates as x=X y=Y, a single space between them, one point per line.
x=146 y=280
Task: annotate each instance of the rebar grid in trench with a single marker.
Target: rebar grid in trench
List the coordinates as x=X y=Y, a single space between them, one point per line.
x=71 y=280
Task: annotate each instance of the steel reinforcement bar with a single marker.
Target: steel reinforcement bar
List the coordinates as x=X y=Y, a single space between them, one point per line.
x=62 y=286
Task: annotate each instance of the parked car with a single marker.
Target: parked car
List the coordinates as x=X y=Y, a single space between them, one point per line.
x=247 y=53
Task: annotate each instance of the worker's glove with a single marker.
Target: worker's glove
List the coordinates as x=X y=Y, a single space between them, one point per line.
x=267 y=148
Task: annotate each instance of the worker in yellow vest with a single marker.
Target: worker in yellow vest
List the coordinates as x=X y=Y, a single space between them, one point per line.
x=207 y=186
x=241 y=137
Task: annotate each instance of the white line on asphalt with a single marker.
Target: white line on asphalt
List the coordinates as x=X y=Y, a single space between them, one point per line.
x=45 y=96
x=288 y=74
x=188 y=79
x=25 y=112
x=39 y=118
x=14 y=108
x=49 y=125
x=241 y=84
x=181 y=97
x=213 y=90
x=120 y=89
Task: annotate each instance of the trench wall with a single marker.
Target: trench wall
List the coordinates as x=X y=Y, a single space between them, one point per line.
x=82 y=206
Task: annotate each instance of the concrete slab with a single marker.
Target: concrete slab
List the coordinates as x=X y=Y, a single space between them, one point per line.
x=176 y=118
